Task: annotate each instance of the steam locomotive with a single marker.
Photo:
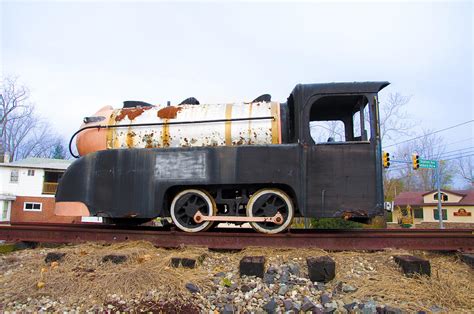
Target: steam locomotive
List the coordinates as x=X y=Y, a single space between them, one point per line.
x=255 y=162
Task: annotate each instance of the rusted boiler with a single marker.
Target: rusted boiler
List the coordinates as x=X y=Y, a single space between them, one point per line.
x=184 y=125
x=254 y=162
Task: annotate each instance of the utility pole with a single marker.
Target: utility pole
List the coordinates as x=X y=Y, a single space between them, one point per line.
x=438 y=183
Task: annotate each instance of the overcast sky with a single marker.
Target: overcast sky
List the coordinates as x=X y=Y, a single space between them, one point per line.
x=78 y=57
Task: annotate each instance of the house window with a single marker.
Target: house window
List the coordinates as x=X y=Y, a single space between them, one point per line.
x=14 y=176
x=444 y=197
x=436 y=214
x=51 y=181
x=31 y=172
x=32 y=207
x=4 y=210
x=418 y=213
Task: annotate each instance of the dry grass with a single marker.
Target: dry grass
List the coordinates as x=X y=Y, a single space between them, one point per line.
x=82 y=278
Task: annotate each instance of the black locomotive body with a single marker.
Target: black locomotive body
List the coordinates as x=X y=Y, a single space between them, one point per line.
x=266 y=185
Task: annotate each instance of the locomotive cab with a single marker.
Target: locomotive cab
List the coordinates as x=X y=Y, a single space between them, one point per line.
x=346 y=166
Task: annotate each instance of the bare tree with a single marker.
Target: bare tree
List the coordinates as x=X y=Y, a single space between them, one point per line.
x=23 y=134
x=13 y=99
x=465 y=168
x=394 y=120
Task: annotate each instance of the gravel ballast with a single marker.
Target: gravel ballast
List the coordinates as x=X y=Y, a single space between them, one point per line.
x=365 y=282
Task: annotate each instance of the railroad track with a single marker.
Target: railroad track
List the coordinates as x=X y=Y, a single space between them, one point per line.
x=361 y=239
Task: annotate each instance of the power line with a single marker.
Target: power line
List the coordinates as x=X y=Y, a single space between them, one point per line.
x=457 y=150
x=418 y=137
x=460 y=154
x=452 y=143
x=458 y=157
x=465 y=150
x=461 y=151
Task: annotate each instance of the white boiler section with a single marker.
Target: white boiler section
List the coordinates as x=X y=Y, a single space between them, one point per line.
x=184 y=126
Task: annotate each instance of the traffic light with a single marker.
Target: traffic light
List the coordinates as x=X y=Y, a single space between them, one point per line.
x=386 y=160
x=415 y=161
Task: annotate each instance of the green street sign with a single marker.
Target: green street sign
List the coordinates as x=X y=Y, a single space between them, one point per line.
x=430 y=164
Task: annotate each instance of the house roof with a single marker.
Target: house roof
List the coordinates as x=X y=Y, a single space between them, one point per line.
x=39 y=163
x=458 y=192
x=416 y=198
x=409 y=198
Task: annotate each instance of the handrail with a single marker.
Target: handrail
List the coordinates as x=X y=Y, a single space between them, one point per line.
x=98 y=127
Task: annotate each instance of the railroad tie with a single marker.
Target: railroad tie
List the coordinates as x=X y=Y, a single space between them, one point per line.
x=412 y=265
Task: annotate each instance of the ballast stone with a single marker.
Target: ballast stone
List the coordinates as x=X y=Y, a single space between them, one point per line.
x=116 y=259
x=412 y=265
x=54 y=257
x=252 y=266
x=468 y=259
x=271 y=306
x=183 y=262
x=321 y=269
x=192 y=287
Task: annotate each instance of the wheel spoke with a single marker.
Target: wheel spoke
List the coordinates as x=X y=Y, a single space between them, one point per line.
x=274 y=199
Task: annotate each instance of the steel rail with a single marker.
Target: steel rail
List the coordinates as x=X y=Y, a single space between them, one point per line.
x=361 y=239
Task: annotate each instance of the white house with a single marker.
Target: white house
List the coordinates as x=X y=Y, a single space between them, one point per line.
x=27 y=189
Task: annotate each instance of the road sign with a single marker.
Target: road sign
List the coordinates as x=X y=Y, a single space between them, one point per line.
x=388 y=206
x=426 y=163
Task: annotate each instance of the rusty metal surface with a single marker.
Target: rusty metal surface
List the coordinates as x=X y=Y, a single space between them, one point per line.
x=171 y=131
x=277 y=218
x=426 y=239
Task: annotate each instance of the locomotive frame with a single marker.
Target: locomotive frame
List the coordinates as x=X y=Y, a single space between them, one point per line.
x=265 y=185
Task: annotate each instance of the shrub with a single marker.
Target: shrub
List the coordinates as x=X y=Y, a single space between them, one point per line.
x=335 y=223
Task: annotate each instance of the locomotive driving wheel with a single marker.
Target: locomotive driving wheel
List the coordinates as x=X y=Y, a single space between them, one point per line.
x=186 y=204
x=268 y=203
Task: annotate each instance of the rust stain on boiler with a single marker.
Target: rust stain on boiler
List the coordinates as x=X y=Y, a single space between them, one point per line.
x=165 y=135
x=168 y=112
x=250 y=125
x=228 y=125
x=130 y=113
x=129 y=140
x=275 y=114
x=148 y=139
x=111 y=132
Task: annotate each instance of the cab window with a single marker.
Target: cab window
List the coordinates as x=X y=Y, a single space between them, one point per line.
x=338 y=119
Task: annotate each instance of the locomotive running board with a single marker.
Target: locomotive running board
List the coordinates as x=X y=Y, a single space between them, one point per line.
x=277 y=219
